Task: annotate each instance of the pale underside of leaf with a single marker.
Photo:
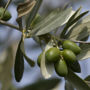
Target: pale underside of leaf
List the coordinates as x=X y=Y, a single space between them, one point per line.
x=81 y=31
x=85 y=52
x=76 y=81
x=46 y=69
x=25 y=8
x=86 y=19
x=53 y=21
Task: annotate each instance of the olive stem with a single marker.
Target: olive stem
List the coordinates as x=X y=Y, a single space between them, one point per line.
x=9 y=25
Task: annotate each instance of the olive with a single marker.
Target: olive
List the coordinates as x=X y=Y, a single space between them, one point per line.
x=69 y=56
x=39 y=59
x=61 y=68
x=72 y=46
x=52 y=54
x=6 y=16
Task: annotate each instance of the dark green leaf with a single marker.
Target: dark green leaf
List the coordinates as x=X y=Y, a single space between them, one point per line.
x=33 y=14
x=76 y=81
x=48 y=84
x=19 y=64
x=30 y=62
x=75 y=67
x=68 y=86
x=85 y=52
x=53 y=21
x=87 y=78
x=72 y=22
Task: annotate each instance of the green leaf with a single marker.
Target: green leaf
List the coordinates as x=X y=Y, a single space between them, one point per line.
x=68 y=86
x=46 y=68
x=75 y=67
x=30 y=62
x=80 y=31
x=19 y=64
x=51 y=22
x=85 y=52
x=47 y=84
x=69 y=21
x=87 y=78
x=76 y=81
x=33 y=14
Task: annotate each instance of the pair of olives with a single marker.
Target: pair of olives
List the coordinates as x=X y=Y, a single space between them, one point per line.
x=6 y=15
x=61 y=58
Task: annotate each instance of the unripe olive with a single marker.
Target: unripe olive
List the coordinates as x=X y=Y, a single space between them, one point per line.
x=52 y=55
x=69 y=56
x=39 y=59
x=72 y=46
x=6 y=16
x=61 y=68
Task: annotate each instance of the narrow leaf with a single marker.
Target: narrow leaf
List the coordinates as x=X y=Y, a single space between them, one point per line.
x=72 y=22
x=76 y=81
x=87 y=78
x=46 y=69
x=85 y=52
x=30 y=62
x=80 y=32
x=25 y=8
x=75 y=67
x=48 y=84
x=50 y=24
x=19 y=64
x=68 y=86
x=33 y=13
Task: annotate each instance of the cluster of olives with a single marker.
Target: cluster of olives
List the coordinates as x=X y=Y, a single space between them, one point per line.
x=6 y=15
x=62 y=59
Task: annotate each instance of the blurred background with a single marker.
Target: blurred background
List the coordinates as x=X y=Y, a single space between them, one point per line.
x=9 y=38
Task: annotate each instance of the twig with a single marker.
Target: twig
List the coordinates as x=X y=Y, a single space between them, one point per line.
x=76 y=41
x=9 y=25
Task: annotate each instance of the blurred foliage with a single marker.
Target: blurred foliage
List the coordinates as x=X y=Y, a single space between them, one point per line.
x=47 y=84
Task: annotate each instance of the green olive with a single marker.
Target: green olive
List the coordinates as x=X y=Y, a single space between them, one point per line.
x=39 y=59
x=69 y=56
x=61 y=68
x=52 y=55
x=6 y=16
x=72 y=46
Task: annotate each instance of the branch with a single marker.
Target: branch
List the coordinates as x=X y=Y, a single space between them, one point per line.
x=76 y=41
x=9 y=25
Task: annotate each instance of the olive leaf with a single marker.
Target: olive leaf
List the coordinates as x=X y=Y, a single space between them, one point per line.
x=48 y=84
x=68 y=86
x=76 y=81
x=75 y=14
x=25 y=8
x=85 y=52
x=30 y=62
x=33 y=13
x=75 y=66
x=81 y=30
x=46 y=69
x=87 y=80
x=51 y=22
x=19 y=64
